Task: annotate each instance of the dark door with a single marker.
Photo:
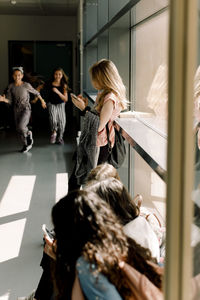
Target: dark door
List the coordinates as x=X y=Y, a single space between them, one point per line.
x=41 y=58
x=50 y=55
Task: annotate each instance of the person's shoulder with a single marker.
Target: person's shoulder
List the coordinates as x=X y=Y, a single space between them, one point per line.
x=26 y=84
x=110 y=96
x=138 y=223
x=81 y=263
x=10 y=85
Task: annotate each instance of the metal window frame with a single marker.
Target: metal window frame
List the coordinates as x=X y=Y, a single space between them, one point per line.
x=121 y=13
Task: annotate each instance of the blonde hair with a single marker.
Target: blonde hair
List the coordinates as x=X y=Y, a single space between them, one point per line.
x=105 y=73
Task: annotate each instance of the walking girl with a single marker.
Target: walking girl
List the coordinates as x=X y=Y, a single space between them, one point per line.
x=18 y=93
x=111 y=99
x=57 y=97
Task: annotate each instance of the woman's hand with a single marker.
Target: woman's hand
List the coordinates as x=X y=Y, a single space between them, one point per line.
x=81 y=103
x=43 y=103
x=3 y=98
x=50 y=247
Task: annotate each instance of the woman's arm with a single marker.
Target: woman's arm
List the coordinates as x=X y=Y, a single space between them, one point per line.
x=35 y=92
x=77 y=293
x=105 y=114
x=63 y=96
x=43 y=103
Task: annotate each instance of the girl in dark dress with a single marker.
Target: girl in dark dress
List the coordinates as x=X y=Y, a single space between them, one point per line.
x=57 y=97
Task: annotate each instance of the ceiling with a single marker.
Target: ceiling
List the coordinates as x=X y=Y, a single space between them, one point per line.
x=39 y=7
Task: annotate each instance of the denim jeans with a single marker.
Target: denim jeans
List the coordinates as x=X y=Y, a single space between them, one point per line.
x=95 y=285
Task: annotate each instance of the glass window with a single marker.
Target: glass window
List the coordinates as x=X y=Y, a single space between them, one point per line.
x=102 y=13
x=115 y=7
x=90 y=12
x=103 y=45
x=90 y=57
x=149 y=69
x=119 y=43
x=146 y=8
x=149 y=98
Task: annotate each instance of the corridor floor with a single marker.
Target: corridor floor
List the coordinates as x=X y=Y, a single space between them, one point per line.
x=30 y=184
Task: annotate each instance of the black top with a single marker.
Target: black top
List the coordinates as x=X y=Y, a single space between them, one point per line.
x=53 y=98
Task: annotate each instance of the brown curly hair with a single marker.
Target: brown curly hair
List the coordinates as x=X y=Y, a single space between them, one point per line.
x=116 y=195
x=85 y=225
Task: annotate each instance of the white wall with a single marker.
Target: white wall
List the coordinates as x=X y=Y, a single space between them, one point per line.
x=33 y=28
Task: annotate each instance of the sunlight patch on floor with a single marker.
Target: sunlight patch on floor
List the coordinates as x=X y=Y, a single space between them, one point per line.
x=5 y=296
x=17 y=196
x=61 y=185
x=11 y=235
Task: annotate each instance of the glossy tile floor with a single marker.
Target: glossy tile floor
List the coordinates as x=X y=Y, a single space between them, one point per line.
x=30 y=184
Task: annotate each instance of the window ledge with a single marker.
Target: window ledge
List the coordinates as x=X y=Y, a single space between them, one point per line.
x=150 y=143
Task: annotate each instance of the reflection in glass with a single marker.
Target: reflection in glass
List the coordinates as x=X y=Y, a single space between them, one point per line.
x=149 y=98
x=150 y=73
x=195 y=232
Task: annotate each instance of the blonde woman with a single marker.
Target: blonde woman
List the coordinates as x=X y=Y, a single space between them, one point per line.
x=110 y=101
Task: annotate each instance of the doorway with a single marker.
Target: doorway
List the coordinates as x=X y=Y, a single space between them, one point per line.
x=41 y=58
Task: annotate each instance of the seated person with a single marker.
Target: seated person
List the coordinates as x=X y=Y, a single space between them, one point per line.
x=90 y=239
x=135 y=226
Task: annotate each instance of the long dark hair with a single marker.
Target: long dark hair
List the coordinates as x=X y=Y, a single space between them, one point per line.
x=85 y=225
x=64 y=80
x=114 y=192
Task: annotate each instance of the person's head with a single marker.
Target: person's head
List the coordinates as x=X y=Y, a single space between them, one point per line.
x=17 y=74
x=113 y=192
x=85 y=225
x=105 y=76
x=60 y=77
x=82 y=222
x=103 y=171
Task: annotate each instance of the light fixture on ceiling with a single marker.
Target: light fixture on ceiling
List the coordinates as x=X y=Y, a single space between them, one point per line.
x=13 y=2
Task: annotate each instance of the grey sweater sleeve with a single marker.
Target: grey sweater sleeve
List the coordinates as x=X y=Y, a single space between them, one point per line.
x=31 y=90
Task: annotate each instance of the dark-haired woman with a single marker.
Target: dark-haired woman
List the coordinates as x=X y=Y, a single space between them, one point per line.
x=135 y=226
x=57 y=97
x=18 y=92
x=90 y=242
